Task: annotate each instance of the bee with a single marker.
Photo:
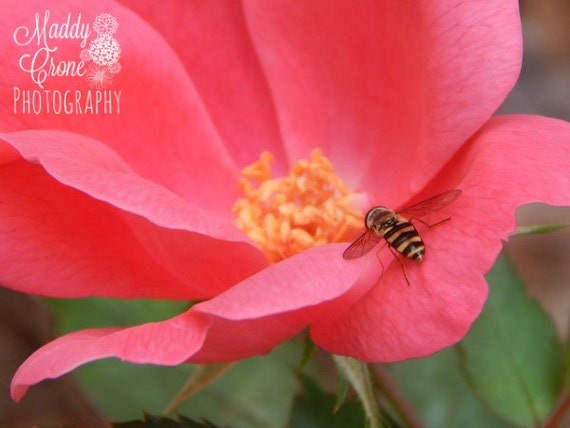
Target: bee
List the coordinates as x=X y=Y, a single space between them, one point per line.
x=398 y=231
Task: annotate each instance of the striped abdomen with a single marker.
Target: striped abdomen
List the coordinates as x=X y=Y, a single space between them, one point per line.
x=403 y=237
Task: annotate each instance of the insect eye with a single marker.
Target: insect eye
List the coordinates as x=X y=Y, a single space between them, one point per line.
x=373 y=216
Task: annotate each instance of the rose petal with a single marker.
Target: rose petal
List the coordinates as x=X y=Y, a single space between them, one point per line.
x=228 y=78
x=162 y=118
x=141 y=344
x=275 y=303
x=250 y=319
x=386 y=90
x=513 y=160
x=88 y=225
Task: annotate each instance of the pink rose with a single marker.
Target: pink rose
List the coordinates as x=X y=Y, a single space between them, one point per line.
x=398 y=96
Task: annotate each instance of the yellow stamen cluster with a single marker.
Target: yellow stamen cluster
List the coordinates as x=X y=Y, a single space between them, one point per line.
x=309 y=207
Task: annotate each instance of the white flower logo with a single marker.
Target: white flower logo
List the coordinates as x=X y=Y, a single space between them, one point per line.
x=98 y=77
x=104 y=51
x=105 y=23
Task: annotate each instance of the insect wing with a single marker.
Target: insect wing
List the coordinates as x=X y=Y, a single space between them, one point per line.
x=362 y=245
x=434 y=203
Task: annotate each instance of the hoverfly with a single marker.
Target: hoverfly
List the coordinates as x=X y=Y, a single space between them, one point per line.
x=397 y=229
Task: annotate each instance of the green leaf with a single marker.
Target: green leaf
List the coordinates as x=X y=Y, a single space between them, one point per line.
x=122 y=391
x=439 y=395
x=512 y=356
x=538 y=228
x=308 y=352
x=314 y=408
x=92 y=312
x=358 y=376
x=255 y=393
x=341 y=391
x=202 y=376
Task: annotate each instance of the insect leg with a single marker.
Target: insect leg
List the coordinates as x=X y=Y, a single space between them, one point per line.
x=402 y=264
x=379 y=259
x=433 y=224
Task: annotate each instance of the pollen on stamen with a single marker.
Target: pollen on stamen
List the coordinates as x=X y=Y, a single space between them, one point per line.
x=311 y=206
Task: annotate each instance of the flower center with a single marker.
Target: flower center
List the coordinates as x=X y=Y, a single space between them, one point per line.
x=309 y=207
